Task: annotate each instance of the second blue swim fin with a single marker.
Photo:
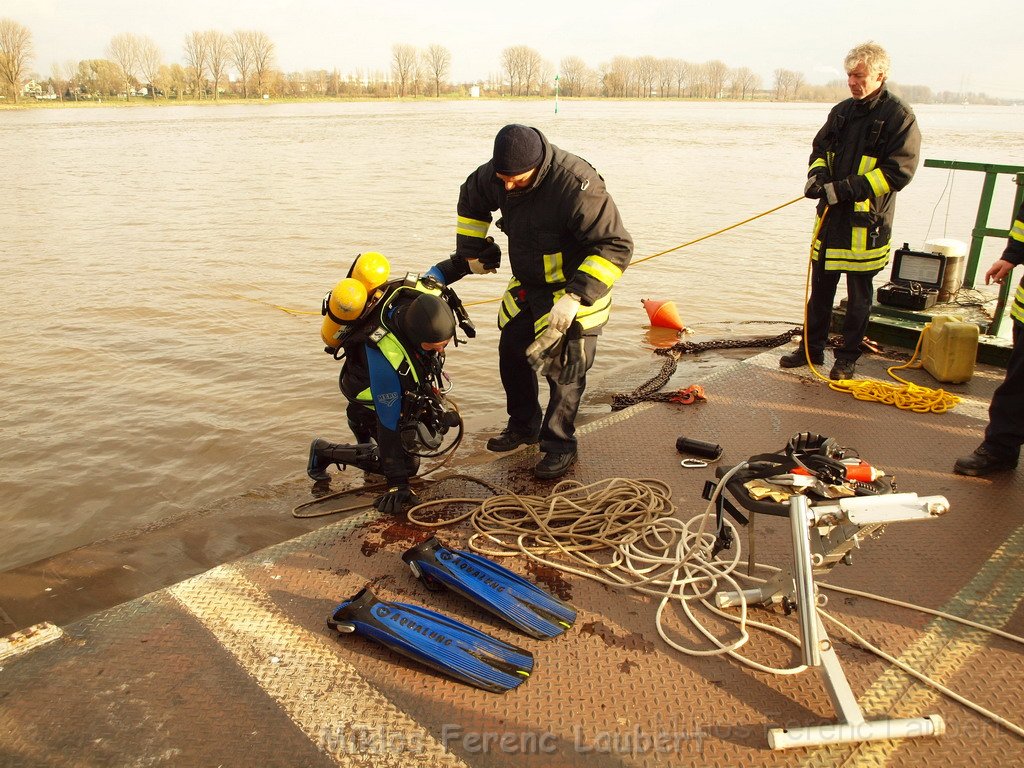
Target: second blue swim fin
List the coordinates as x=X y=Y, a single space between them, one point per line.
x=444 y=644
x=498 y=590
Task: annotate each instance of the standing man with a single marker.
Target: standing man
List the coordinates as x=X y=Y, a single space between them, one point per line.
x=864 y=154
x=1004 y=434
x=567 y=247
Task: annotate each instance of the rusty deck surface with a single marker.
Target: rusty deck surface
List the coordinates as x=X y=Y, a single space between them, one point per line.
x=236 y=667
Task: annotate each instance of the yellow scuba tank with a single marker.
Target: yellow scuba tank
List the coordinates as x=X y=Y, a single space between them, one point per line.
x=342 y=305
x=348 y=298
x=371 y=269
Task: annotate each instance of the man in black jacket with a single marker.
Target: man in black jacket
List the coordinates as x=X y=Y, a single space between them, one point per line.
x=566 y=246
x=865 y=153
x=1004 y=434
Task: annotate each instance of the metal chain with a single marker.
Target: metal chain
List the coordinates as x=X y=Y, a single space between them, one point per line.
x=649 y=390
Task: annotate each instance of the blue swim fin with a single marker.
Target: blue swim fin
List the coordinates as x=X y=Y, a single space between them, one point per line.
x=498 y=590
x=444 y=644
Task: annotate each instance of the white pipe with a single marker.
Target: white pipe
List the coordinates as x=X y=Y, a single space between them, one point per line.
x=847 y=733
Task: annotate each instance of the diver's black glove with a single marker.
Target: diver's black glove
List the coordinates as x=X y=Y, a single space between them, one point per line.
x=574 y=356
x=396 y=500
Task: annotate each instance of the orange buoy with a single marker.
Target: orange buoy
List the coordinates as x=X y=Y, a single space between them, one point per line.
x=663 y=314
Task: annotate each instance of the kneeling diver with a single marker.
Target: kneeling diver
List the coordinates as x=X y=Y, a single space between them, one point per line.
x=393 y=381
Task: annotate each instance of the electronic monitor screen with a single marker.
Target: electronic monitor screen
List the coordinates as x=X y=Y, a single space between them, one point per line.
x=919 y=269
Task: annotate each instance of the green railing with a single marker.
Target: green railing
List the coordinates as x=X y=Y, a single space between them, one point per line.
x=981 y=228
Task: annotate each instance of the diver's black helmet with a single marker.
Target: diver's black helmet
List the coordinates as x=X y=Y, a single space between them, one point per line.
x=427 y=319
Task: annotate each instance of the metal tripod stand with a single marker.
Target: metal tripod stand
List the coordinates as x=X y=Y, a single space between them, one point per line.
x=823 y=536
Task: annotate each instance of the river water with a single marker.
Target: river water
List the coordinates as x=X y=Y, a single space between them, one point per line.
x=146 y=368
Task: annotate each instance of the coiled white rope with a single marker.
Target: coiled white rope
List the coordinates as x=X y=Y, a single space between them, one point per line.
x=623 y=533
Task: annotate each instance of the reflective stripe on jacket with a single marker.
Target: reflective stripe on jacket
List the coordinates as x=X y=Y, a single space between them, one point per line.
x=1014 y=254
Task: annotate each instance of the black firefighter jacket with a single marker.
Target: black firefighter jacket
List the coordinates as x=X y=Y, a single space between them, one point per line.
x=870 y=148
x=564 y=232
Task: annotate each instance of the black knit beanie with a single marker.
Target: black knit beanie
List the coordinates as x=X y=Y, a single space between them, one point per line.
x=427 y=319
x=517 y=149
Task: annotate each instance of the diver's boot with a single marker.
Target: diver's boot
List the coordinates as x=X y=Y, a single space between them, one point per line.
x=322 y=454
x=316 y=465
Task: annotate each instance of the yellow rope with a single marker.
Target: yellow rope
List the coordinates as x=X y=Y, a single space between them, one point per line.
x=908 y=397
x=682 y=245
x=632 y=264
x=276 y=306
x=718 y=232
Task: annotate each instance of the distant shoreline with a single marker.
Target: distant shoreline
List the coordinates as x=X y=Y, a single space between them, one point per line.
x=145 y=102
x=10 y=106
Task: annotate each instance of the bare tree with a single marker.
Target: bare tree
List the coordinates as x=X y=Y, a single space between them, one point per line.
x=241 y=54
x=512 y=67
x=100 y=77
x=123 y=50
x=437 y=61
x=796 y=84
x=70 y=72
x=743 y=82
x=403 y=65
x=646 y=68
x=217 y=52
x=787 y=83
x=15 y=53
x=533 y=65
x=150 y=63
x=58 y=80
x=524 y=67
x=717 y=73
x=666 y=76
x=176 y=79
x=681 y=75
x=573 y=76
x=262 y=49
x=619 y=76
x=195 y=59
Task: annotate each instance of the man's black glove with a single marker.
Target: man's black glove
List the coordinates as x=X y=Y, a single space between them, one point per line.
x=838 y=191
x=396 y=500
x=490 y=255
x=815 y=186
x=574 y=356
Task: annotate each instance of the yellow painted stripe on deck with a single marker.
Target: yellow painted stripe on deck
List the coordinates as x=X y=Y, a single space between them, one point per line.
x=319 y=692
x=941 y=653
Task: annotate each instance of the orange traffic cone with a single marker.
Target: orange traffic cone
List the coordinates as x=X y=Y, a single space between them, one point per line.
x=663 y=314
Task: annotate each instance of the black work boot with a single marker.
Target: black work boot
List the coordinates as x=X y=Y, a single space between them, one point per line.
x=842 y=370
x=982 y=462
x=316 y=466
x=511 y=438
x=554 y=465
x=797 y=359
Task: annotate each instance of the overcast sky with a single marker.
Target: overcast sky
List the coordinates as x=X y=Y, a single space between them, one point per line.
x=945 y=45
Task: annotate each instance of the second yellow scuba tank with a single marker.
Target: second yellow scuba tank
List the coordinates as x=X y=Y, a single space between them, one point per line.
x=347 y=299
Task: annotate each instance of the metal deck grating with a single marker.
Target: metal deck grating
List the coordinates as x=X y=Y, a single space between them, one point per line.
x=237 y=667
